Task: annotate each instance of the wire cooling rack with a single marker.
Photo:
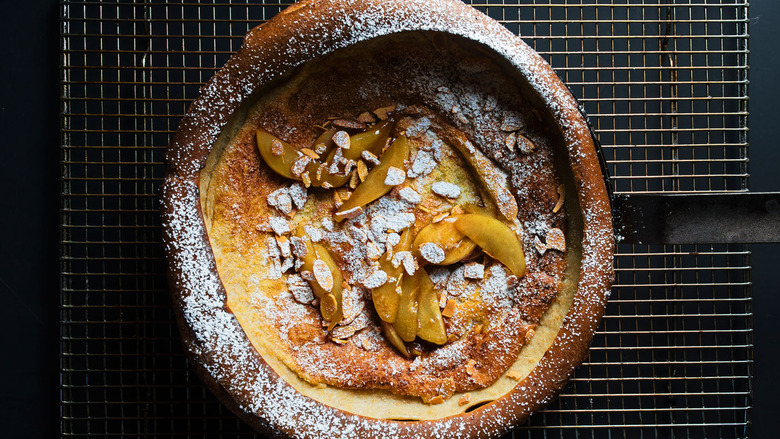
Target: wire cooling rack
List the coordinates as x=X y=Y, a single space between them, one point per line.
x=664 y=82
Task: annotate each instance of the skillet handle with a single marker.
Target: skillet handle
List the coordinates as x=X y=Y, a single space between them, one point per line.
x=711 y=218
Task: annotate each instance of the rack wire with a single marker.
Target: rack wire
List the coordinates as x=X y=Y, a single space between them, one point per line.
x=664 y=82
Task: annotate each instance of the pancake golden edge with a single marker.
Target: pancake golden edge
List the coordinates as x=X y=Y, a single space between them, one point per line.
x=380 y=404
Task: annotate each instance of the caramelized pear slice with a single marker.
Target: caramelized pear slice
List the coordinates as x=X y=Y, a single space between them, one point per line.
x=387 y=296
x=330 y=307
x=277 y=154
x=333 y=313
x=495 y=238
x=490 y=177
x=406 y=320
x=394 y=339
x=429 y=320
x=373 y=139
x=455 y=244
x=374 y=187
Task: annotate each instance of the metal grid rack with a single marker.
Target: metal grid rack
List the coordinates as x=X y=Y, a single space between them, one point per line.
x=664 y=82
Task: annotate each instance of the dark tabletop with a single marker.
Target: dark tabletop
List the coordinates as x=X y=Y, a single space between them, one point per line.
x=29 y=220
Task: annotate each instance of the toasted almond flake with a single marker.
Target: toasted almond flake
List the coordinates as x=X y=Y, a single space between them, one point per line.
x=354 y=180
x=514 y=375
x=341 y=139
x=410 y=264
x=344 y=194
x=280 y=200
x=438 y=399
x=349 y=214
x=393 y=239
x=299 y=165
x=320 y=170
x=524 y=144
x=440 y=217
x=322 y=275
x=383 y=112
x=464 y=399
x=457 y=210
x=561 y=198
x=449 y=308
x=446 y=190
x=539 y=245
x=337 y=199
x=470 y=370
x=375 y=279
x=277 y=148
x=395 y=176
x=410 y=195
x=299 y=248
x=362 y=170
x=309 y=153
x=432 y=252
x=300 y=289
x=556 y=240
x=442 y=299
x=306 y=179
x=279 y=225
x=511 y=122
x=284 y=246
x=350 y=124
x=462 y=118
x=337 y=156
x=510 y=141
x=320 y=148
x=373 y=251
x=366 y=117
x=370 y=157
x=529 y=335
x=326 y=185
x=474 y=270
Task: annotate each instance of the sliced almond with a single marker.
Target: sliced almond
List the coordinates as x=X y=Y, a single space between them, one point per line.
x=341 y=139
x=464 y=399
x=310 y=153
x=362 y=170
x=524 y=144
x=348 y=214
x=470 y=369
x=514 y=375
x=337 y=199
x=366 y=118
x=438 y=399
x=323 y=276
x=350 y=124
x=510 y=141
x=383 y=113
x=449 y=309
x=556 y=240
x=529 y=335
x=277 y=148
x=561 y=198
x=354 y=180
x=306 y=178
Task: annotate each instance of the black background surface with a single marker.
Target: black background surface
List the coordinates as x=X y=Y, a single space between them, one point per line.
x=29 y=220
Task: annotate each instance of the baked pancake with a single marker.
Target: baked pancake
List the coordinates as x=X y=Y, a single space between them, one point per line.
x=402 y=225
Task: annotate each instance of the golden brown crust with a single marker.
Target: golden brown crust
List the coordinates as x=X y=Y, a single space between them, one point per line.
x=298 y=36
